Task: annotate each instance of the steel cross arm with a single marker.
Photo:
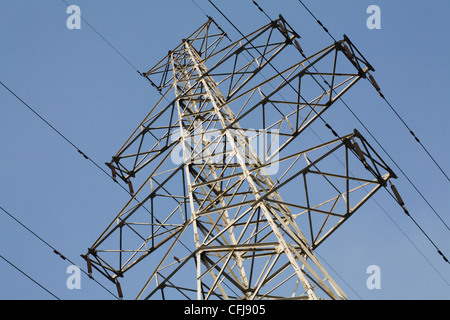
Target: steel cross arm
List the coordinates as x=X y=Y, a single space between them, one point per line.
x=232 y=50
x=288 y=81
x=110 y=229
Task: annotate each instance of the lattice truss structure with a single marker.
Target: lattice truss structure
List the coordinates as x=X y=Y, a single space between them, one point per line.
x=224 y=204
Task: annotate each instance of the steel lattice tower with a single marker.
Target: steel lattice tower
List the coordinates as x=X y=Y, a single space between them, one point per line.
x=220 y=210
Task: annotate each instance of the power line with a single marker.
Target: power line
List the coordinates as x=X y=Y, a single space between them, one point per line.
x=53 y=248
x=29 y=277
x=42 y=118
x=317 y=20
x=376 y=140
x=372 y=81
x=199 y=8
x=60 y=134
x=261 y=9
x=409 y=239
x=340 y=277
x=106 y=40
x=399 y=200
x=416 y=138
x=54 y=129
x=396 y=164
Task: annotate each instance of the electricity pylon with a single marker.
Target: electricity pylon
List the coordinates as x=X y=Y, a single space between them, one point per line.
x=220 y=210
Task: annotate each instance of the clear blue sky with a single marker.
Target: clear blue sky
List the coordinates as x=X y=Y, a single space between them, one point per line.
x=96 y=99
